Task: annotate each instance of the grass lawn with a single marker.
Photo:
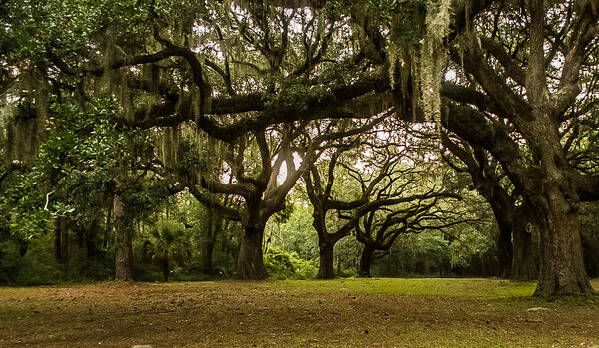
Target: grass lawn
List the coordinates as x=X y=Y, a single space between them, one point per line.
x=346 y=312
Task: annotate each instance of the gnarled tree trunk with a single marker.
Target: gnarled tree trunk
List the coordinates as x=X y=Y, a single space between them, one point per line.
x=560 y=252
x=524 y=263
x=326 y=270
x=326 y=245
x=561 y=270
x=366 y=261
x=250 y=263
x=504 y=211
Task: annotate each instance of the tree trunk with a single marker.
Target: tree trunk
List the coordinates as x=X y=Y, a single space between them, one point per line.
x=107 y=227
x=57 y=244
x=208 y=255
x=326 y=269
x=590 y=252
x=561 y=264
x=165 y=266
x=504 y=249
x=61 y=240
x=250 y=263
x=123 y=265
x=504 y=211
x=215 y=228
x=525 y=263
x=366 y=261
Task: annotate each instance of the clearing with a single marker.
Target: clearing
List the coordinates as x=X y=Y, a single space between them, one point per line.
x=344 y=312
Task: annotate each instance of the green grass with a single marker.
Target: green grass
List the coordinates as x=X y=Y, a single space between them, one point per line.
x=483 y=288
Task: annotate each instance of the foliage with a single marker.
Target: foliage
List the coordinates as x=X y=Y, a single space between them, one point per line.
x=68 y=162
x=283 y=265
x=295 y=234
x=590 y=238
x=167 y=235
x=10 y=261
x=38 y=266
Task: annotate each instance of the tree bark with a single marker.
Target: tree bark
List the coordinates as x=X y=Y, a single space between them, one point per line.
x=524 y=263
x=250 y=263
x=61 y=240
x=504 y=250
x=208 y=255
x=326 y=269
x=107 y=227
x=366 y=261
x=165 y=267
x=526 y=231
x=215 y=227
x=505 y=211
x=561 y=270
x=561 y=264
x=57 y=244
x=123 y=265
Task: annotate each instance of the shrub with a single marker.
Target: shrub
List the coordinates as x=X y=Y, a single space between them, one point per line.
x=283 y=265
x=9 y=262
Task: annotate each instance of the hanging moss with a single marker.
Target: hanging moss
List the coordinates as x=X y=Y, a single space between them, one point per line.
x=151 y=75
x=116 y=81
x=24 y=121
x=433 y=59
x=422 y=55
x=168 y=143
x=110 y=78
x=23 y=134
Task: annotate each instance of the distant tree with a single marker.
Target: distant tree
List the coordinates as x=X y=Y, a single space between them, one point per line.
x=262 y=192
x=379 y=229
x=378 y=165
x=517 y=241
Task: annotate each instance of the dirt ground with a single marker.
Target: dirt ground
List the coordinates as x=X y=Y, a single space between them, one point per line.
x=301 y=313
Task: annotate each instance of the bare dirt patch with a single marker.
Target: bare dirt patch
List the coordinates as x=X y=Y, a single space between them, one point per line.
x=228 y=313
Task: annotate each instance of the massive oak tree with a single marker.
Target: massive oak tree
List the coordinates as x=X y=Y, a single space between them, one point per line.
x=519 y=82
x=528 y=68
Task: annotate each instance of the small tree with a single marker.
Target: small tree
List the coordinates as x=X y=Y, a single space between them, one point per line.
x=167 y=240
